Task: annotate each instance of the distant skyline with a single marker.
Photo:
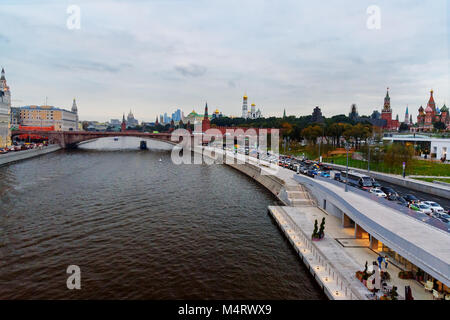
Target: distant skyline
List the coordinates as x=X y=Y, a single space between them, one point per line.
x=157 y=56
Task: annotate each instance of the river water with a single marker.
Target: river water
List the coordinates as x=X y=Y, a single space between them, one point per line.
x=140 y=228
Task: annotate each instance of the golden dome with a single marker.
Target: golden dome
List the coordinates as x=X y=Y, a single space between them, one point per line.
x=217 y=111
x=253 y=104
x=245 y=96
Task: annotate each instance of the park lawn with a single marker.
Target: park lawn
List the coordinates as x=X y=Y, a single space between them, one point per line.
x=418 y=167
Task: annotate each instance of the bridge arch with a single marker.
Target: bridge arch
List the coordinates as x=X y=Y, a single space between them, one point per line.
x=70 y=139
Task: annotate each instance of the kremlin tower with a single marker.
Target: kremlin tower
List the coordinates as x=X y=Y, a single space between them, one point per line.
x=386 y=114
x=407 y=116
x=123 y=127
x=205 y=122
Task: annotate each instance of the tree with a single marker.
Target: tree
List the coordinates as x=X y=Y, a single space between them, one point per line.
x=439 y=126
x=85 y=124
x=315 y=234
x=403 y=127
x=311 y=133
x=397 y=153
x=322 y=228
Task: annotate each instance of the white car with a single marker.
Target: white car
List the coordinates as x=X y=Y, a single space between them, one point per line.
x=378 y=193
x=424 y=208
x=436 y=207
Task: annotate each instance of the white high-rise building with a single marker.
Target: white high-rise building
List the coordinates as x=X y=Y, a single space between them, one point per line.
x=5 y=109
x=75 y=110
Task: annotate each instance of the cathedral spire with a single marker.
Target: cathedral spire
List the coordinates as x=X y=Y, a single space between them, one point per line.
x=3 y=74
x=74 y=106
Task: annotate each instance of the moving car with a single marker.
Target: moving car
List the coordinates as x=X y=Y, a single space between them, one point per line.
x=311 y=173
x=391 y=193
x=441 y=216
x=337 y=176
x=402 y=201
x=375 y=184
x=424 y=208
x=435 y=207
x=411 y=198
x=325 y=174
x=378 y=192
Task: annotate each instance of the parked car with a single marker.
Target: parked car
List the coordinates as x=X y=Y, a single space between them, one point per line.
x=411 y=198
x=3 y=150
x=378 y=192
x=435 y=207
x=424 y=208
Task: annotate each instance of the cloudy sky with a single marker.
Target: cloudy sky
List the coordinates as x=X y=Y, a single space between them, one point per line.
x=156 y=56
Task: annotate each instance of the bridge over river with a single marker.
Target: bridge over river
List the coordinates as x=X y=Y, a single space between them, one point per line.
x=70 y=139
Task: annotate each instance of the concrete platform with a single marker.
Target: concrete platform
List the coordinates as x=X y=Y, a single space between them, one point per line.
x=330 y=265
x=345 y=260
x=333 y=261
x=421 y=243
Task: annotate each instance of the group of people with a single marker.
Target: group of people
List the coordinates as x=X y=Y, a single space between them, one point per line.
x=382 y=259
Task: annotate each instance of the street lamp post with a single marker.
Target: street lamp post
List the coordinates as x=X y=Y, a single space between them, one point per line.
x=347 y=147
x=368 y=162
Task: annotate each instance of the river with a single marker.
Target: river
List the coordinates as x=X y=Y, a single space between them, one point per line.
x=140 y=228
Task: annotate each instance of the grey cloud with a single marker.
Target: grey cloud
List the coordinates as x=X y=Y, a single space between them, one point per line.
x=4 y=38
x=231 y=84
x=93 y=66
x=191 y=70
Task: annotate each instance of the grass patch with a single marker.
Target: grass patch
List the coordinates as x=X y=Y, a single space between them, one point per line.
x=417 y=167
x=434 y=179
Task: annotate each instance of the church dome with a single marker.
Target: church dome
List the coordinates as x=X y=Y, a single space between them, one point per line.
x=428 y=109
x=444 y=108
